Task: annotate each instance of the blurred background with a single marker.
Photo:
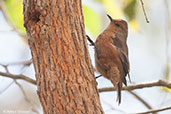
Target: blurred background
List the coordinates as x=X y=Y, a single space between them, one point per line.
x=149 y=53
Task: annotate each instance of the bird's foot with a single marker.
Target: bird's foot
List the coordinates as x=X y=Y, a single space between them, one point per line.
x=90 y=40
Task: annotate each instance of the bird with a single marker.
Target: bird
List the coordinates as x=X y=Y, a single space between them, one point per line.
x=111 y=54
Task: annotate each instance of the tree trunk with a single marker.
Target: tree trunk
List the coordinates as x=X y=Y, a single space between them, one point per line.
x=65 y=77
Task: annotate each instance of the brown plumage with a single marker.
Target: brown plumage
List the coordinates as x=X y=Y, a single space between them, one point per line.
x=111 y=54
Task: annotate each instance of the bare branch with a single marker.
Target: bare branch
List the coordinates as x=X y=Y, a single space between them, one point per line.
x=139 y=86
x=142 y=4
x=26 y=63
x=112 y=108
x=141 y=100
x=22 y=89
x=4 y=89
x=167 y=36
x=19 y=85
x=25 y=97
x=21 y=77
x=154 y=111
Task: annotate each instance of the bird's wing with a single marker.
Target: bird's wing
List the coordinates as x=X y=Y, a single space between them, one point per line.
x=125 y=64
x=123 y=57
x=117 y=42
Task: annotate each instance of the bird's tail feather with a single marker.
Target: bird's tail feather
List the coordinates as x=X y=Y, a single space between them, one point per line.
x=119 y=86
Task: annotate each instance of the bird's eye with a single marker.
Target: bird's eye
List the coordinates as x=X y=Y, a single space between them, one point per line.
x=117 y=24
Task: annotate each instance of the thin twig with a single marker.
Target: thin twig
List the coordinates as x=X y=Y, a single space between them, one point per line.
x=139 y=86
x=6 y=69
x=156 y=110
x=142 y=4
x=141 y=100
x=25 y=97
x=167 y=32
x=112 y=108
x=4 y=89
x=21 y=77
x=22 y=89
x=26 y=63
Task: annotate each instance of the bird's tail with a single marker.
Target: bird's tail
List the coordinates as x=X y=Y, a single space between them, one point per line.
x=119 y=87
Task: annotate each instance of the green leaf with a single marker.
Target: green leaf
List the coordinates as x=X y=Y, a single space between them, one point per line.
x=98 y=0
x=92 y=20
x=130 y=9
x=113 y=9
x=15 y=11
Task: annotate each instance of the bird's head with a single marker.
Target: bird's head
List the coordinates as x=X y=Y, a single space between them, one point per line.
x=118 y=25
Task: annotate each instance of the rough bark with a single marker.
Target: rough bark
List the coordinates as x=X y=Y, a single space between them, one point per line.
x=65 y=77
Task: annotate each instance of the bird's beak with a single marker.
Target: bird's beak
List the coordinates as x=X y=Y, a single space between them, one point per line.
x=110 y=17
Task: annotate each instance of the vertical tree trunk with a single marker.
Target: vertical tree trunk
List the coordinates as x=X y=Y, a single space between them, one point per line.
x=65 y=78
